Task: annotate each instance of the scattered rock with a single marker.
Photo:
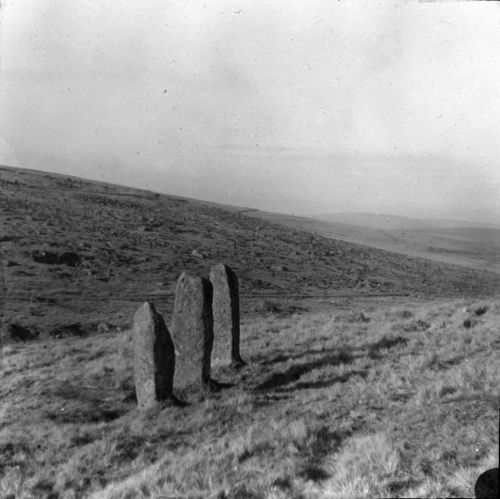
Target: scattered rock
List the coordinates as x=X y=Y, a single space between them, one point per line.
x=226 y=315
x=198 y=254
x=279 y=268
x=192 y=332
x=154 y=357
x=103 y=327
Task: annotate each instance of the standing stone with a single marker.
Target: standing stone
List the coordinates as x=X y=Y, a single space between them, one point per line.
x=226 y=312
x=154 y=357
x=192 y=332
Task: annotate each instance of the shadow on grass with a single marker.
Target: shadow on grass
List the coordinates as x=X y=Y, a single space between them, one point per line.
x=284 y=357
x=295 y=372
x=385 y=343
x=324 y=442
x=80 y=404
x=84 y=415
x=324 y=383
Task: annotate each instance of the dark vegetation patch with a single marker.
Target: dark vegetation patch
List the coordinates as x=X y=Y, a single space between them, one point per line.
x=16 y=332
x=481 y=310
x=313 y=472
x=405 y=314
x=469 y=323
x=66 y=330
x=416 y=326
x=45 y=488
x=357 y=317
x=69 y=258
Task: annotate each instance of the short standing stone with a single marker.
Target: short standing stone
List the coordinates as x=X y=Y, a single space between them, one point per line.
x=192 y=332
x=226 y=312
x=154 y=357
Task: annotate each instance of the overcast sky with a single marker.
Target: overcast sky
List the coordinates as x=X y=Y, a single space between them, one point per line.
x=291 y=106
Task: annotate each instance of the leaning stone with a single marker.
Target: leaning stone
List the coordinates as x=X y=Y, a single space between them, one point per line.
x=154 y=357
x=192 y=332
x=226 y=312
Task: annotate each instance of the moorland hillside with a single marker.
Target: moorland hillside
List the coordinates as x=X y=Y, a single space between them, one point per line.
x=78 y=252
x=445 y=241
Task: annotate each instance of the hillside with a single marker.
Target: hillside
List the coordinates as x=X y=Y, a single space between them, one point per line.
x=78 y=252
x=445 y=241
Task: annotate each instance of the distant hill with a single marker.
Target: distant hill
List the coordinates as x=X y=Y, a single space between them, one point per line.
x=76 y=252
x=384 y=221
x=453 y=242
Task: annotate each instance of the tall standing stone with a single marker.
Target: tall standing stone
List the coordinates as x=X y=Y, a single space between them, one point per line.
x=192 y=332
x=226 y=312
x=154 y=357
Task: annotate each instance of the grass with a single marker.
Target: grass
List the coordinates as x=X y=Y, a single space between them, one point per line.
x=364 y=401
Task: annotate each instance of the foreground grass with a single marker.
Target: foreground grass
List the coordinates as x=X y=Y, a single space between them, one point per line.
x=383 y=401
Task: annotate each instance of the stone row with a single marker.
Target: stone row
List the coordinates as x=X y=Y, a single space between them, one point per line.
x=183 y=358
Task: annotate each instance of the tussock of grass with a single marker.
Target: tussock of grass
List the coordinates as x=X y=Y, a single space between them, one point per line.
x=330 y=405
x=366 y=466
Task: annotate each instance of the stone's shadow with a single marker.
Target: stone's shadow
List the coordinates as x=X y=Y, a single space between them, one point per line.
x=174 y=401
x=332 y=357
x=384 y=343
x=387 y=342
x=324 y=383
x=209 y=388
x=76 y=404
x=304 y=353
x=129 y=396
x=213 y=386
x=237 y=364
x=295 y=372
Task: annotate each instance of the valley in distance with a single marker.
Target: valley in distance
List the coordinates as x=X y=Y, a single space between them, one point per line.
x=371 y=347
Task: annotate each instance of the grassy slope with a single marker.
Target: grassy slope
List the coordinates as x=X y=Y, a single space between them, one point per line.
x=376 y=400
